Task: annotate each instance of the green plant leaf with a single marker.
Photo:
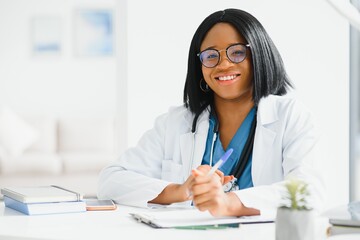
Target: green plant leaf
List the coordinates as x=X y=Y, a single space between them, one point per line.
x=295 y=195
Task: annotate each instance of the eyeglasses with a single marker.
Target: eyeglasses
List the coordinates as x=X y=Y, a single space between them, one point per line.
x=236 y=53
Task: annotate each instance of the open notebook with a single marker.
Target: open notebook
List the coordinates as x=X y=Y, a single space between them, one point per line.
x=170 y=218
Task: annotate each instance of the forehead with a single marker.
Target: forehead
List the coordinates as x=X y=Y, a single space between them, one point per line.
x=221 y=35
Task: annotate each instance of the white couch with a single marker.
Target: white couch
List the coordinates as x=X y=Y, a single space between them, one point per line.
x=68 y=152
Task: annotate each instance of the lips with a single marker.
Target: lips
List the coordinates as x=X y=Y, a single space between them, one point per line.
x=227 y=77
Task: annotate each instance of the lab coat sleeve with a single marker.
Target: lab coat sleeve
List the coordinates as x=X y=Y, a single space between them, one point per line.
x=135 y=178
x=299 y=153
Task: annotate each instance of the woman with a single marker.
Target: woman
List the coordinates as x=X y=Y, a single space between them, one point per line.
x=232 y=99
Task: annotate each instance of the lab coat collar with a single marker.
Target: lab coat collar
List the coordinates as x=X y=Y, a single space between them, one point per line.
x=189 y=118
x=267 y=112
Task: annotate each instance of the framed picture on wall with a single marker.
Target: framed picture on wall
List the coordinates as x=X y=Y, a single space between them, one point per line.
x=46 y=35
x=93 y=32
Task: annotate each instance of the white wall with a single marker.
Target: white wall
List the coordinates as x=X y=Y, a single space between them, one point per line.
x=312 y=38
x=59 y=85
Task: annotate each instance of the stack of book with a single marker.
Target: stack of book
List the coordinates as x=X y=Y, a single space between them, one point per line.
x=43 y=200
x=341 y=226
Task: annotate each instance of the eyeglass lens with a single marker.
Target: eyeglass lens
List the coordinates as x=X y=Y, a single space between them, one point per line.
x=211 y=57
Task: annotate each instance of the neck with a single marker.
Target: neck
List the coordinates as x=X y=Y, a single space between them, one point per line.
x=230 y=116
x=232 y=110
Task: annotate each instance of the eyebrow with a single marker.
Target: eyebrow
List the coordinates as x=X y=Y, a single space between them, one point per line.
x=214 y=47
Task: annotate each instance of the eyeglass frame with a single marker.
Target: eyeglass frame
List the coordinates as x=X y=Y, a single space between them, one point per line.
x=219 y=51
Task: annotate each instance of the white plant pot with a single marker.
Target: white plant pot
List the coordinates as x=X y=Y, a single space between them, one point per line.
x=294 y=224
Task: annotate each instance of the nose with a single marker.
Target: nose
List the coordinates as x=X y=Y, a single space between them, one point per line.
x=224 y=60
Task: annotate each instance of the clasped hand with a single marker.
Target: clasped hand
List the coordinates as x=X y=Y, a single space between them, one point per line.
x=206 y=191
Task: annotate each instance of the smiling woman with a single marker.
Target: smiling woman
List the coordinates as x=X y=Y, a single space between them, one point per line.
x=233 y=99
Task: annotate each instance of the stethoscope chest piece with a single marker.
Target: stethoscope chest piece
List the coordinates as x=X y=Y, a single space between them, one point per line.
x=231 y=186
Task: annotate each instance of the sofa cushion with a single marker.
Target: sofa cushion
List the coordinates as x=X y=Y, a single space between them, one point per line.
x=32 y=163
x=46 y=126
x=86 y=135
x=16 y=135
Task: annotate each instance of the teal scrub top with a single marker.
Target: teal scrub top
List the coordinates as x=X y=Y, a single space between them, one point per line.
x=237 y=143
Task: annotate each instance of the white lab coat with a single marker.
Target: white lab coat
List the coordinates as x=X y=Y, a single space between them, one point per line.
x=284 y=146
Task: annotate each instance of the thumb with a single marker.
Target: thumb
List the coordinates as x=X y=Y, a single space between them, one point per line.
x=196 y=173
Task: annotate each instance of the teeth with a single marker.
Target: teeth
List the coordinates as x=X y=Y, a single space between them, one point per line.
x=227 y=78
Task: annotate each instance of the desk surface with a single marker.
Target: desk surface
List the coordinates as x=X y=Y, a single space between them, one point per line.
x=118 y=223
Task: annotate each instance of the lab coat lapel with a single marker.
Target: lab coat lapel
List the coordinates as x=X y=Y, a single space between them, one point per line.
x=192 y=146
x=264 y=136
x=186 y=149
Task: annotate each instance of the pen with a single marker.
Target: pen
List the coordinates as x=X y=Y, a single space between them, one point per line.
x=222 y=160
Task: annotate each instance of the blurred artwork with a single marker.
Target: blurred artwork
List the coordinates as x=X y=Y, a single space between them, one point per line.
x=93 y=32
x=46 y=35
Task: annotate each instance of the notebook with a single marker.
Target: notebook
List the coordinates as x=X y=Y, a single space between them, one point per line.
x=338 y=229
x=349 y=222
x=39 y=194
x=45 y=208
x=349 y=218
x=179 y=218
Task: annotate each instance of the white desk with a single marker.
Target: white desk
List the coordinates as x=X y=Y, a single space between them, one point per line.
x=119 y=225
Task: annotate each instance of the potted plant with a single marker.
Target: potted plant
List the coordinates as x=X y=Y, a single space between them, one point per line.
x=295 y=218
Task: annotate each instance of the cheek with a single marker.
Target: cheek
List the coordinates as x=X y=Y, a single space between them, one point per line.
x=206 y=74
x=248 y=72
x=248 y=79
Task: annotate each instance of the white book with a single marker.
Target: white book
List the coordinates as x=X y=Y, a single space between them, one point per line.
x=45 y=208
x=40 y=194
x=338 y=229
x=347 y=222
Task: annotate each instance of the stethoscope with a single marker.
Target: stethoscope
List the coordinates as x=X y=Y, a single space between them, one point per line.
x=215 y=133
x=232 y=185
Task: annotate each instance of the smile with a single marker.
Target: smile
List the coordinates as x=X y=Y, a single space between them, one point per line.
x=227 y=78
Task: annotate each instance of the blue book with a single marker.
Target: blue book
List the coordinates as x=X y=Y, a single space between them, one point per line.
x=45 y=208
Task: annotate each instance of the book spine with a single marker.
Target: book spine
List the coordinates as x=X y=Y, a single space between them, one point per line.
x=45 y=208
x=13 y=195
x=16 y=205
x=336 y=230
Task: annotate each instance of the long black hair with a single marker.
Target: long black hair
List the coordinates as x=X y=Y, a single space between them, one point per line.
x=269 y=72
